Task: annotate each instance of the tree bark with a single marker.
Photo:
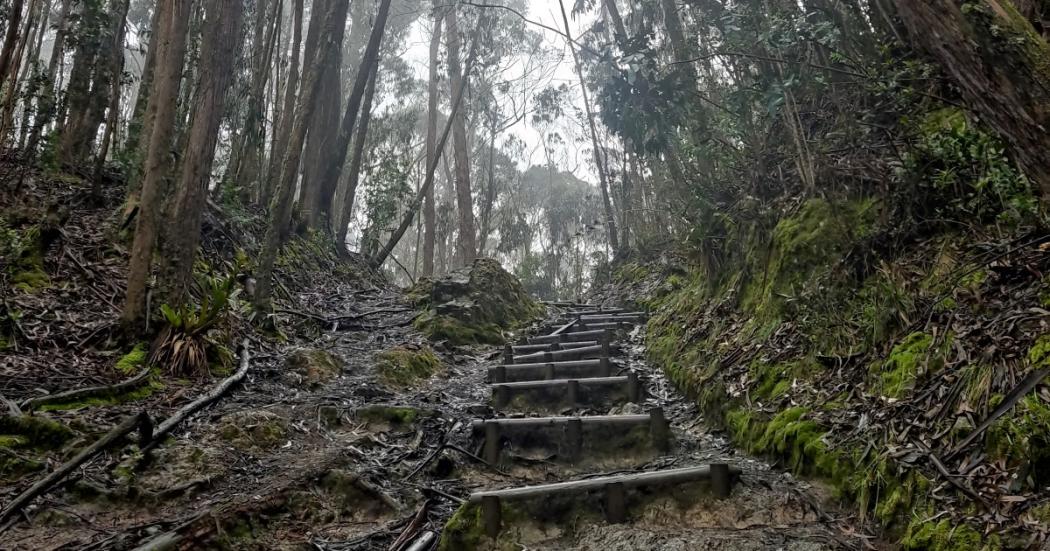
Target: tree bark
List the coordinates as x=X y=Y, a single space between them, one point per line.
x=429 y=215
x=46 y=110
x=220 y=41
x=603 y=178
x=7 y=50
x=369 y=59
x=281 y=203
x=283 y=126
x=354 y=177
x=466 y=244
x=173 y=24
x=999 y=62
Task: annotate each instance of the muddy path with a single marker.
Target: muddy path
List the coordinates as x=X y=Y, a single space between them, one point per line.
x=320 y=449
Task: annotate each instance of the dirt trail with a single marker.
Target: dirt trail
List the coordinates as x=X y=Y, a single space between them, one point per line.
x=338 y=457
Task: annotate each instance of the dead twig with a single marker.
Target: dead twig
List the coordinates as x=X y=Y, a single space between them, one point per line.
x=91 y=392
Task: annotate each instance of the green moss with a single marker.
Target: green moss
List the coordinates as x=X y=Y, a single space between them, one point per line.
x=464 y=530
x=313 y=367
x=23 y=254
x=912 y=358
x=1039 y=354
x=475 y=305
x=775 y=379
x=14 y=466
x=632 y=272
x=34 y=431
x=107 y=399
x=254 y=430
x=133 y=361
x=943 y=535
x=402 y=366
x=393 y=415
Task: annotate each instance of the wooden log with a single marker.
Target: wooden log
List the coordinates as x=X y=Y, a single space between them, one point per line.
x=542 y=422
x=528 y=348
x=634 y=388
x=580 y=328
x=491 y=513
x=92 y=392
x=572 y=392
x=579 y=353
x=573 y=336
x=615 y=503
x=140 y=421
x=564 y=328
x=659 y=430
x=575 y=369
x=595 y=310
x=633 y=480
x=611 y=315
x=531 y=385
x=492 y=442
x=720 y=480
x=574 y=438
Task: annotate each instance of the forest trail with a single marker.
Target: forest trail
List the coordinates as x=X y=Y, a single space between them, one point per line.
x=333 y=456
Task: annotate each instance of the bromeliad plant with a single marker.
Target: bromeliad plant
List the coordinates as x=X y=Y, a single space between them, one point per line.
x=183 y=345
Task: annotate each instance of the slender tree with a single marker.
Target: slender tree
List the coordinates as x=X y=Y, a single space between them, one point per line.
x=220 y=39
x=599 y=161
x=172 y=26
x=432 y=152
x=466 y=244
x=331 y=39
x=355 y=161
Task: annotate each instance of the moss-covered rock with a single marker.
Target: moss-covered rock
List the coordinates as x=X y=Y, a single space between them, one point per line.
x=943 y=535
x=404 y=366
x=386 y=416
x=33 y=431
x=311 y=367
x=474 y=305
x=133 y=361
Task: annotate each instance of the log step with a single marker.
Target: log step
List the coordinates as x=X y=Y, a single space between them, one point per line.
x=528 y=348
x=581 y=327
x=572 y=369
x=572 y=391
x=596 y=334
x=568 y=432
x=578 y=353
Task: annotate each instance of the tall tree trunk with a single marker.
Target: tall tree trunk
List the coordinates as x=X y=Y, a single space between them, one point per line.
x=603 y=176
x=369 y=59
x=172 y=26
x=347 y=206
x=244 y=157
x=490 y=193
x=999 y=62
x=46 y=103
x=466 y=244
x=19 y=64
x=614 y=14
x=330 y=42
x=432 y=152
x=7 y=50
x=283 y=127
x=316 y=194
x=428 y=180
x=220 y=41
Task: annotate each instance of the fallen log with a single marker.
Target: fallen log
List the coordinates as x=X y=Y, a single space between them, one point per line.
x=212 y=395
x=93 y=392
x=140 y=421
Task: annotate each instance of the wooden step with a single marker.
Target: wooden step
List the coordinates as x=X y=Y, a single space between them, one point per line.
x=569 y=431
x=572 y=336
x=581 y=353
x=570 y=392
x=720 y=475
x=572 y=369
x=581 y=327
x=543 y=347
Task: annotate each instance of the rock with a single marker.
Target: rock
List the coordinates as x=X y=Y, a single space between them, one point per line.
x=473 y=305
x=387 y=417
x=403 y=366
x=311 y=367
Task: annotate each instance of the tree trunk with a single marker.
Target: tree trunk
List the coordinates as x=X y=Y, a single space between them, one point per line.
x=347 y=205
x=369 y=59
x=614 y=15
x=490 y=193
x=330 y=41
x=172 y=26
x=466 y=244
x=432 y=115
x=603 y=178
x=46 y=111
x=428 y=180
x=998 y=61
x=219 y=43
x=315 y=195
x=283 y=127
x=7 y=50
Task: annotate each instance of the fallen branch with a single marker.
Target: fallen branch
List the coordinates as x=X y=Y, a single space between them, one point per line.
x=140 y=421
x=1019 y=391
x=10 y=406
x=413 y=529
x=92 y=392
x=212 y=395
